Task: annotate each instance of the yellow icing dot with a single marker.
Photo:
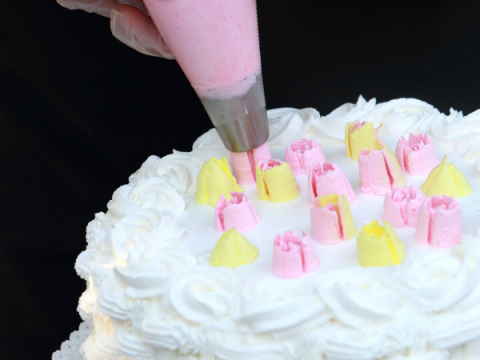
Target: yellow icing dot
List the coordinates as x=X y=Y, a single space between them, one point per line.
x=215 y=179
x=277 y=184
x=379 y=245
x=360 y=138
x=232 y=250
x=446 y=179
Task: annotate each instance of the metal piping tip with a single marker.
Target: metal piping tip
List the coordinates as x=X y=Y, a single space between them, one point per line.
x=241 y=122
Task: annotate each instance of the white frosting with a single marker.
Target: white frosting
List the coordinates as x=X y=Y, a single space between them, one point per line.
x=332 y=126
x=151 y=294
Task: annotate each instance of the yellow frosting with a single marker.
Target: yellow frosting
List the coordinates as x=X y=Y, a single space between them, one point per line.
x=379 y=245
x=446 y=179
x=232 y=250
x=215 y=179
x=277 y=184
x=358 y=139
x=342 y=207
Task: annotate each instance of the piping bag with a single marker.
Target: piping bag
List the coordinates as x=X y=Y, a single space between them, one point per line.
x=216 y=44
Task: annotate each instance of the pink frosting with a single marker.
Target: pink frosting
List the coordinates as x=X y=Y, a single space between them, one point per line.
x=326 y=179
x=326 y=228
x=269 y=164
x=374 y=179
x=238 y=212
x=419 y=157
x=301 y=154
x=439 y=222
x=401 y=206
x=244 y=163
x=293 y=257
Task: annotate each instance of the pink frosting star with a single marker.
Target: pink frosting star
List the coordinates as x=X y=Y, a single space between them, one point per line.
x=301 y=154
x=238 y=212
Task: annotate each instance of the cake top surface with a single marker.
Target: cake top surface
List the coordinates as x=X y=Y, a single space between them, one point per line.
x=147 y=269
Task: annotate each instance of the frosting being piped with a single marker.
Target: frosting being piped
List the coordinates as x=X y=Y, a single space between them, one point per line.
x=244 y=163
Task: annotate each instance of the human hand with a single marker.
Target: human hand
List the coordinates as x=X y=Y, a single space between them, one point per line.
x=129 y=22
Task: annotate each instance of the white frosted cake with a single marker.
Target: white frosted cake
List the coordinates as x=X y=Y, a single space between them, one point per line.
x=152 y=293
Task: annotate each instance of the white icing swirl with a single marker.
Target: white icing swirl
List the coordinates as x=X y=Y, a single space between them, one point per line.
x=101 y=343
x=131 y=344
x=96 y=232
x=271 y=306
x=436 y=281
x=163 y=332
x=358 y=298
x=179 y=170
x=111 y=297
x=468 y=147
x=210 y=139
x=202 y=294
x=146 y=273
x=332 y=126
x=151 y=193
x=229 y=348
x=288 y=124
x=401 y=116
x=142 y=228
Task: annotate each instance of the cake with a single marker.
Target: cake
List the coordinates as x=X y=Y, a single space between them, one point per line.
x=153 y=294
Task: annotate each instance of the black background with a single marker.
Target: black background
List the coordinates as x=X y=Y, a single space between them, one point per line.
x=80 y=112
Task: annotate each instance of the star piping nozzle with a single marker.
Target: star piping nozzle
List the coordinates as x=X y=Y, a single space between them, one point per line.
x=244 y=163
x=237 y=213
x=331 y=220
x=446 y=179
x=233 y=250
x=276 y=182
x=326 y=179
x=379 y=245
x=401 y=206
x=214 y=180
x=293 y=257
x=379 y=170
x=302 y=154
x=358 y=136
x=439 y=222
x=417 y=157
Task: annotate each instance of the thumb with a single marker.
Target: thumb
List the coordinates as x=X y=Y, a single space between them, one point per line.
x=137 y=30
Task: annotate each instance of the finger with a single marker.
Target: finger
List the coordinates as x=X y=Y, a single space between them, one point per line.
x=101 y=7
x=137 y=30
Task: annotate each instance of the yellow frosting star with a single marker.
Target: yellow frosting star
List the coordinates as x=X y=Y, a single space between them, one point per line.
x=277 y=184
x=215 y=179
x=342 y=207
x=232 y=250
x=358 y=137
x=379 y=246
x=446 y=179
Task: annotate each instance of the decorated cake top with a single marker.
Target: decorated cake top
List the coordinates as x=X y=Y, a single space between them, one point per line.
x=148 y=265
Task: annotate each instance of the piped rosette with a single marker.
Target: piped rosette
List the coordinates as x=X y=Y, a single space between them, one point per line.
x=237 y=213
x=276 y=182
x=439 y=222
x=379 y=170
x=215 y=179
x=301 y=154
x=233 y=250
x=358 y=136
x=379 y=245
x=447 y=180
x=292 y=256
x=331 y=220
x=417 y=157
x=328 y=178
x=244 y=163
x=401 y=206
